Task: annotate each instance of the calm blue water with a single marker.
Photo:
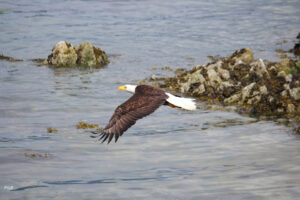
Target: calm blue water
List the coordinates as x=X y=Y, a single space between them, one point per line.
x=172 y=154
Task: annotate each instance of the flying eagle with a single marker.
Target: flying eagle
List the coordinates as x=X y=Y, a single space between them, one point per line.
x=146 y=100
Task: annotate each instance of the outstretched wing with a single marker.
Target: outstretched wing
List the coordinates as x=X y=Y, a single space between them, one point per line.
x=126 y=115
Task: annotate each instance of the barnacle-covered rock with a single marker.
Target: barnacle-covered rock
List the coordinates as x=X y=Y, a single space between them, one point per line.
x=88 y=55
x=255 y=85
x=245 y=55
x=65 y=55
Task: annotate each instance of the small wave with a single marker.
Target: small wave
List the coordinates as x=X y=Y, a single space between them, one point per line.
x=99 y=181
x=28 y=187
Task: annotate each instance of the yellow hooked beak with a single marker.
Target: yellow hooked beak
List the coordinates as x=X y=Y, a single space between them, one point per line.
x=122 y=88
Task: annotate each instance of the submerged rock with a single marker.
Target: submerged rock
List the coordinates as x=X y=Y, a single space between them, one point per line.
x=37 y=155
x=52 y=130
x=84 y=125
x=9 y=59
x=65 y=55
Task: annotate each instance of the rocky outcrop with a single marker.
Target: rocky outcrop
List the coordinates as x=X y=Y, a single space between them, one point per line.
x=256 y=86
x=65 y=55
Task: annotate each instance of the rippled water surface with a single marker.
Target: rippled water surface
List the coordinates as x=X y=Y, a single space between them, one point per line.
x=172 y=154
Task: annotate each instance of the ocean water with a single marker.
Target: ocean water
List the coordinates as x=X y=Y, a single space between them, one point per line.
x=172 y=154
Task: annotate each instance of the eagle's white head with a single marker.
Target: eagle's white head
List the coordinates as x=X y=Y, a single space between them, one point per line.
x=128 y=88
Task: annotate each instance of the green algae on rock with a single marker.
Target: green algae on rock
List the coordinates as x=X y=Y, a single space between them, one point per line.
x=88 y=55
x=65 y=55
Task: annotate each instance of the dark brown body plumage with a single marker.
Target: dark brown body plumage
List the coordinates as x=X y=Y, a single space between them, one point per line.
x=144 y=102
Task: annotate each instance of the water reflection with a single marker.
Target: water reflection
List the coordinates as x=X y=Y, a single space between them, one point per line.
x=229 y=122
x=73 y=71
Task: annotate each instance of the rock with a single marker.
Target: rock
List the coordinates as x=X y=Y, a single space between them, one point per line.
x=263 y=89
x=88 y=55
x=196 y=77
x=213 y=78
x=223 y=73
x=200 y=90
x=254 y=100
x=280 y=110
x=270 y=99
x=153 y=77
x=184 y=87
x=63 y=54
x=246 y=91
x=281 y=74
x=273 y=70
x=284 y=93
x=286 y=86
x=101 y=57
x=232 y=99
x=290 y=108
x=285 y=65
x=289 y=78
x=296 y=49
x=259 y=68
x=244 y=55
x=226 y=84
x=295 y=93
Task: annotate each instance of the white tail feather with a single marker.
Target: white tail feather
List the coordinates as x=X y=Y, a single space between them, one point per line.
x=185 y=103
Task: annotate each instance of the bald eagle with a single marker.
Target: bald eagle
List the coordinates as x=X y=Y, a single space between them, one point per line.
x=146 y=100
